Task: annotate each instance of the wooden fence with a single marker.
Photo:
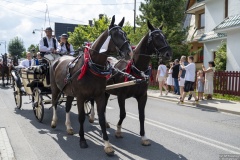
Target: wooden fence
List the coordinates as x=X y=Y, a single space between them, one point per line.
x=225 y=82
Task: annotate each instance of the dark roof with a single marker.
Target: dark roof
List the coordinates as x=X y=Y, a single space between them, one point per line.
x=228 y=22
x=212 y=36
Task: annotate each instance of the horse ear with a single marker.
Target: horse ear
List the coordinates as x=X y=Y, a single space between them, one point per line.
x=150 y=25
x=122 y=22
x=112 y=22
x=161 y=27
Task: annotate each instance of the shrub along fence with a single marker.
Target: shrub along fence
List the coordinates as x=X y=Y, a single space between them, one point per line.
x=225 y=82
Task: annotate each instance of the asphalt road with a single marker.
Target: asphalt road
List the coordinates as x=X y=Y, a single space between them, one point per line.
x=176 y=132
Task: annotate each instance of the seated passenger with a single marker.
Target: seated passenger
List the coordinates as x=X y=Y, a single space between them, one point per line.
x=27 y=62
x=64 y=47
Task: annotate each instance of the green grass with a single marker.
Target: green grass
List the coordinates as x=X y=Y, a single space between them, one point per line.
x=226 y=97
x=153 y=87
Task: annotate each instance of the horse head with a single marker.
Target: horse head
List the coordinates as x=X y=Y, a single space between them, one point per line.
x=158 y=43
x=119 y=39
x=113 y=40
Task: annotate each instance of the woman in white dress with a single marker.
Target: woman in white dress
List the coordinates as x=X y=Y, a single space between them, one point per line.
x=161 y=78
x=209 y=74
x=170 y=82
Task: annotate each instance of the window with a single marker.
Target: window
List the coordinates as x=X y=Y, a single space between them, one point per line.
x=200 y=55
x=201 y=23
x=226 y=8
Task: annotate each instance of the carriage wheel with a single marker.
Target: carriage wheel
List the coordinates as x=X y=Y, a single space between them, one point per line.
x=17 y=95
x=38 y=107
x=87 y=107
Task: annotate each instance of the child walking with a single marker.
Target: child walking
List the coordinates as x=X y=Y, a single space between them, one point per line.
x=200 y=84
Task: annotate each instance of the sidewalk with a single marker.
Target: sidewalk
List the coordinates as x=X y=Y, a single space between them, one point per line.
x=215 y=104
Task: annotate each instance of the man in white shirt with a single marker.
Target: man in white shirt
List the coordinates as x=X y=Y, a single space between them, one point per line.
x=64 y=47
x=189 y=79
x=27 y=62
x=48 y=43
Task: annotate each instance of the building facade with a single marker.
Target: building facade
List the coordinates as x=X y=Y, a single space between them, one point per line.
x=221 y=24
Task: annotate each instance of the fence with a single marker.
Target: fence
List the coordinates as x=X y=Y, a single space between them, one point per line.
x=225 y=82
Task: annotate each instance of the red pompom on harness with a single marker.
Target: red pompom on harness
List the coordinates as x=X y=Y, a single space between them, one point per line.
x=85 y=66
x=128 y=69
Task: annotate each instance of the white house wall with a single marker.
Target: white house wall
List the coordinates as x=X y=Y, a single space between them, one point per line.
x=233 y=51
x=209 y=48
x=233 y=7
x=214 y=13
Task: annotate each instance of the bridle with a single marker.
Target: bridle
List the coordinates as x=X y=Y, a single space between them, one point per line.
x=157 y=51
x=125 y=41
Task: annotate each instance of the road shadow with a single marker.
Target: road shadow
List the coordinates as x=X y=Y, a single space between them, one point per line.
x=128 y=147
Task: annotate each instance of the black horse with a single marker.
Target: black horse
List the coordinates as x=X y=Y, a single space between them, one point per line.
x=5 y=70
x=92 y=80
x=153 y=42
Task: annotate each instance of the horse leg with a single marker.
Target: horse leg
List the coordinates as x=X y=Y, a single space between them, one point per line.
x=81 y=119
x=7 y=77
x=100 y=101
x=92 y=113
x=141 y=110
x=3 y=74
x=68 y=108
x=121 y=103
x=55 y=91
x=106 y=102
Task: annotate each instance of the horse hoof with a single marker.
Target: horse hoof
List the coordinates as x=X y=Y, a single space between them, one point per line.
x=146 y=142
x=53 y=124
x=107 y=125
x=118 y=135
x=83 y=144
x=90 y=120
x=70 y=132
x=109 y=151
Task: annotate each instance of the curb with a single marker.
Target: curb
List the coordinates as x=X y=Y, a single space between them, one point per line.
x=198 y=105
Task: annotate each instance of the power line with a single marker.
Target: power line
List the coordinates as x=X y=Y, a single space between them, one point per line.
x=82 y=4
x=45 y=12
x=4 y=7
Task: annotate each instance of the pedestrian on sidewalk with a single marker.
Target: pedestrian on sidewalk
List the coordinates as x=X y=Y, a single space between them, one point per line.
x=209 y=74
x=175 y=72
x=200 y=84
x=181 y=75
x=170 y=82
x=161 y=77
x=189 y=79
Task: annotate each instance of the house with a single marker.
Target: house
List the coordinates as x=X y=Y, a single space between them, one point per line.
x=221 y=21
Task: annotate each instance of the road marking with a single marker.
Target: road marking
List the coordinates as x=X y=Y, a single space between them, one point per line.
x=190 y=134
x=6 y=151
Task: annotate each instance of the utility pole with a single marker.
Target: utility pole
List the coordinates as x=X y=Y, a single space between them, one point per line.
x=134 y=27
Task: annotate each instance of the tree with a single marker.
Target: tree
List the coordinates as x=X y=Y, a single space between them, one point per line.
x=16 y=47
x=88 y=33
x=170 y=14
x=221 y=57
x=33 y=47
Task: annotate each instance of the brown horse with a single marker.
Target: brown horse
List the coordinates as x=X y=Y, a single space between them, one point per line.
x=152 y=43
x=93 y=83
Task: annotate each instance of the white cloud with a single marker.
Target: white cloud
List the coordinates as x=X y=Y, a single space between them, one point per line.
x=21 y=17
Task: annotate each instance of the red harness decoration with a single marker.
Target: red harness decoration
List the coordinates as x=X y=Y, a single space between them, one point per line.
x=128 y=69
x=85 y=66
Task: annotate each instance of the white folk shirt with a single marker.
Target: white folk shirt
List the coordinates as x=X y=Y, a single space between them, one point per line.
x=43 y=48
x=63 y=49
x=25 y=63
x=190 y=72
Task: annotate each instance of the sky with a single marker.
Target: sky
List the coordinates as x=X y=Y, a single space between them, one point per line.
x=21 y=17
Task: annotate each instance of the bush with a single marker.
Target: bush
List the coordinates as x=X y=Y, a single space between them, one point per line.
x=221 y=57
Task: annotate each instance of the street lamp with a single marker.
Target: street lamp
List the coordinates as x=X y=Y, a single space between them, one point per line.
x=5 y=43
x=40 y=30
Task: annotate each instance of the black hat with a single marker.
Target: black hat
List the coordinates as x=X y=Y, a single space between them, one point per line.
x=64 y=35
x=48 y=29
